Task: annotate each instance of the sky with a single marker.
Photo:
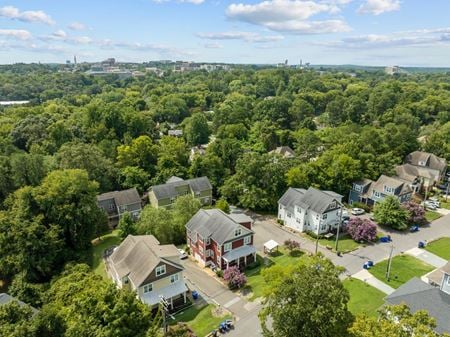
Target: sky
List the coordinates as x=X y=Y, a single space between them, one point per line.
x=362 y=32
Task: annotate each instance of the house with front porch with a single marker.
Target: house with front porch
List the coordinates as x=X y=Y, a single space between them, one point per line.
x=116 y=203
x=370 y=192
x=164 y=195
x=219 y=239
x=151 y=270
x=310 y=210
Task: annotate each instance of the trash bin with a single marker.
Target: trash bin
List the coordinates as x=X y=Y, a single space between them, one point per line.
x=370 y=263
x=421 y=244
x=366 y=265
x=195 y=295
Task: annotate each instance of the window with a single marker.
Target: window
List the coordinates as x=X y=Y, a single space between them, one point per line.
x=247 y=240
x=161 y=270
x=206 y=200
x=237 y=232
x=148 y=288
x=298 y=220
x=125 y=280
x=227 y=247
x=200 y=249
x=376 y=194
x=208 y=241
x=174 y=278
x=209 y=253
x=111 y=207
x=299 y=209
x=388 y=189
x=323 y=227
x=324 y=216
x=357 y=188
x=422 y=163
x=289 y=215
x=281 y=206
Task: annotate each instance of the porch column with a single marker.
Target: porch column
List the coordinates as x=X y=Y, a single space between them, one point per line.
x=227 y=265
x=239 y=259
x=245 y=259
x=171 y=303
x=184 y=295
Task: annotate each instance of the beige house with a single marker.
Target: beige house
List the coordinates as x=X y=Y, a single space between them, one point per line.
x=151 y=270
x=164 y=195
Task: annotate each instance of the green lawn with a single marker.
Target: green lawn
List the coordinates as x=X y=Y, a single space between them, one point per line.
x=431 y=215
x=445 y=204
x=255 y=281
x=98 y=247
x=403 y=268
x=202 y=321
x=440 y=247
x=363 y=297
x=346 y=244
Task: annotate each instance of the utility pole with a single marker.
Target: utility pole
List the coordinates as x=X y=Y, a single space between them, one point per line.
x=388 y=270
x=317 y=238
x=339 y=226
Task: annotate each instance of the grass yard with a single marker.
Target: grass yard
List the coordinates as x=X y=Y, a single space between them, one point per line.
x=346 y=244
x=202 y=321
x=440 y=247
x=403 y=268
x=98 y=247
x=431 y=215
x=363 y=297
x=445 y=204
x=255 y=280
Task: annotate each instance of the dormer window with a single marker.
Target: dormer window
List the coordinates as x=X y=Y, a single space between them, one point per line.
x=357 y=188
x=208 y=241
x=388 y=189
x=422 y=163
x=237 y=232
x=160 y=270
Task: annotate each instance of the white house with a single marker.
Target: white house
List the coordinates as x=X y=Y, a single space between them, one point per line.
x=310 y=210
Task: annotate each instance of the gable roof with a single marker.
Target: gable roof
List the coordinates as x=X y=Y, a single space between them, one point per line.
x=418 y=295
x=168 y=190
x=392 y=182
x=437 y=275
x=312 y=198
x=215 y=224
x=138 y=255
x=6 y=298
x=121 y=198
x=284 y=151
x=409 y=172
x=432 y=161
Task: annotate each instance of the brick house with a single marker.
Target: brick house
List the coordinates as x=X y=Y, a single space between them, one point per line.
x=219 y=239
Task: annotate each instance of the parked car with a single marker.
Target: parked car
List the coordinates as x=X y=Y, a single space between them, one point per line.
x=429 y=205
x=183 y=254
x=434 y=201
x=345 y=215
x=443 y=187
x=357 y=211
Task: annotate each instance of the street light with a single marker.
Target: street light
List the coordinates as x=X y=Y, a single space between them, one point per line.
x=339 y=226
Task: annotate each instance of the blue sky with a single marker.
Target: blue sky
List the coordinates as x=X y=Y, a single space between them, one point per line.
x=365 y=32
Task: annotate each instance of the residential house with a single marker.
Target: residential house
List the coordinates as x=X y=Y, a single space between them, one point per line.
x=422 y=170
x=370 y=192
x=6 y=298
x=164 y=195
x=310 y=210
x=220 y=239
x=284 y=151
x=175 y=133
x=418 y=295
x=149 y=269
x=440 y=278
x=199 y=150
x=116 y=203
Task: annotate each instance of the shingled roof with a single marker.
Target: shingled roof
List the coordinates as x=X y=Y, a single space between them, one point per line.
x=418 y=295
x=432 y=161
x=215 y=224
x=138 y=255
x=312 y=198
x=122 y=198
x=6 y=298
x=168 y=190
x=284 y=151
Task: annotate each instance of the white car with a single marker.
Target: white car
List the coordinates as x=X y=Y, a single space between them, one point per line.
x=357 y=211
x=345 y=215
x=435 y=201
x=183 y=254
x=430 y=205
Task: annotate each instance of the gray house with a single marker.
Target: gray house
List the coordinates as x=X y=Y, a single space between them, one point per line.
x=164 y=195
x=370 y=192
x=116 y=203
x=6 y=298
x=418 y=295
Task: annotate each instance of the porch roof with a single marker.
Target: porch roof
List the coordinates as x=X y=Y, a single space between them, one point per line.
x=239 y=252
x=167 y=292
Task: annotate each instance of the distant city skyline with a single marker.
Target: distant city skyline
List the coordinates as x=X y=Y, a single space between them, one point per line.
x=359 y=32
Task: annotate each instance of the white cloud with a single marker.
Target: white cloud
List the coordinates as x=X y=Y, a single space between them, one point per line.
x=377 y=7
x=77 y=26
x=14 y=13
x=19 y=34
x=245 y=36
x=213 y=45
x=60 y=34
x=290 y=16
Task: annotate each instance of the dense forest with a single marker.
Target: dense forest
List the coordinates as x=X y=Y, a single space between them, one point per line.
x=81 y=135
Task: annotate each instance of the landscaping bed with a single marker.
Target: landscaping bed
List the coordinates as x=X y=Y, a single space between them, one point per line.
x=403 y=268
x=202 y=320
x=363 y=297
x=440 y=247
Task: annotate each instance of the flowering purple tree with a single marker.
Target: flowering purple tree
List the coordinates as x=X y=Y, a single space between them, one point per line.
x=416 y=213
x=292 y=245
x=234 y=277
x=361 y=229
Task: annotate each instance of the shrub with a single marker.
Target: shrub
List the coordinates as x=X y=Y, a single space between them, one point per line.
x=234 y=277
x=219 y=273
x=361 y=229
x=389 y=212
x=314 y=235
x=223 y=205
x=416 y=213
x=292 y=245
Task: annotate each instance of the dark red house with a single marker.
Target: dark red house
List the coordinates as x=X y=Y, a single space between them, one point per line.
x=220 y=239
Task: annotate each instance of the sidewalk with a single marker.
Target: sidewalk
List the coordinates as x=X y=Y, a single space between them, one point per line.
x=368 y=278
x=427 y=257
